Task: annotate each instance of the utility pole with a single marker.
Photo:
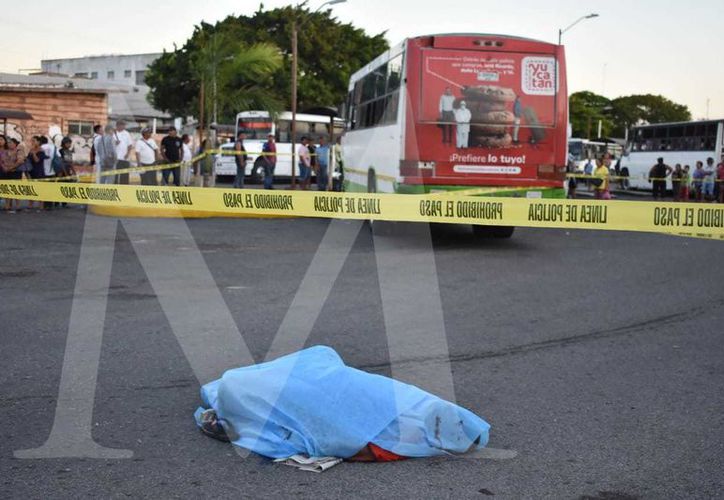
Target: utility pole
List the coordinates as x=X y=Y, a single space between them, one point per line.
x=295 y=57
x=294 y=100
x=215 y=69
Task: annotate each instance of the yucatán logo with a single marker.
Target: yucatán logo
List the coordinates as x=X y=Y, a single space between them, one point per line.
x=539 y=76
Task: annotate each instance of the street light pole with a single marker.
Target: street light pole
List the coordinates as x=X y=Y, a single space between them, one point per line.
x=582 y=18
x=295 y=57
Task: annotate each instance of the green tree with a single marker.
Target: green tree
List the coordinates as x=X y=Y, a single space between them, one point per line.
x=329 y=52
x=232 y=75
x=586 y=110
x=648 y=108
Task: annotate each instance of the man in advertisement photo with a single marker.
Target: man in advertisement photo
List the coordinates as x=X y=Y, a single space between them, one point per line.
x=447 y=115
x=463 y=117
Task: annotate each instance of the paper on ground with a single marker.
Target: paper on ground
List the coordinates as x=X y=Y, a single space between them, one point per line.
x=310 y=464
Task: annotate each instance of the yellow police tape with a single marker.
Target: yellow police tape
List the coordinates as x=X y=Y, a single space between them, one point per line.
x=684 y=219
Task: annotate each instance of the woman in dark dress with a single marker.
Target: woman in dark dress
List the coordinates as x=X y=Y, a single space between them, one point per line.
x=3 y=155
x=13 y=158
x=66 y=157
x=37 y=157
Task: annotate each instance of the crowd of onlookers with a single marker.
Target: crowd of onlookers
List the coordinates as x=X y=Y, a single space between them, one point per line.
x=39 y=160
x=310 y=158
x=113 y=148
x=704 y=184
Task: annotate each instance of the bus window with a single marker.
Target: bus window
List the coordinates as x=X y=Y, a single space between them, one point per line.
x=302 y=129
x=711 y=132
x=284 y=128
x=392 y=104
x=394 y=74
x=380 y=80
x=357 y=92
x=369 y=86
x=676 y=138
x=318 y=130
x=576 y=150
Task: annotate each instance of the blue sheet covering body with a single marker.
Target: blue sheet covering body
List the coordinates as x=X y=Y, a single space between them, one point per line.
x=311 y=403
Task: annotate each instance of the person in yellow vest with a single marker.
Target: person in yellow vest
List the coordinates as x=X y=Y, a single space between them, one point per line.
x=601 y=181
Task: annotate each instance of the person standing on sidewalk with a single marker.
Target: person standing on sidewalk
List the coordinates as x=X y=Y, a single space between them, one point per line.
x=305 y=163
x=676 y=176
x=187 y=157
x=601 y=182
x=720 y=180
x=147 y=155
x=66 y=160
x=97 y=132
x=322 y=164
x=698 y=180
x=685 y=182
x=270 y=161
x=658 y=175
x=172 y=152
x=124 y=145
x=106 y=157
x=710 y=181
x=14 y=158
x=588 y=172
x=36 y=157
x=241 y=158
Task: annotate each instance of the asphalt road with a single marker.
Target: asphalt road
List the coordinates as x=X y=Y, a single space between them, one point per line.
x=598 y=357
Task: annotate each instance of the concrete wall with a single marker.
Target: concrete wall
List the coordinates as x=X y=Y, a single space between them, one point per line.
x=101 y=65
x=52 y=111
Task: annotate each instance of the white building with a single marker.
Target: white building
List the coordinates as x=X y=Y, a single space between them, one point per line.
x=124 y=69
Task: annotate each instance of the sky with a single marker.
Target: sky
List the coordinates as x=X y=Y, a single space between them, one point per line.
x=634 y=47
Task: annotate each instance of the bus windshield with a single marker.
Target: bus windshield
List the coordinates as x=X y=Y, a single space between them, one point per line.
x=255 y=128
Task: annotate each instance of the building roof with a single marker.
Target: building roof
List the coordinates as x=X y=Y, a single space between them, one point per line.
x=124 y=101
x=102 y=56
x=14 y=114
x=10 y=81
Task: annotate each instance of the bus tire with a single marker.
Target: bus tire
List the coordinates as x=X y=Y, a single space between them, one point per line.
x=498 y=232
x=258 y=172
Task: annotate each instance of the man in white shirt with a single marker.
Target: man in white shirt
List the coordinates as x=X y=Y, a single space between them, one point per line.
x=463 y=117
x=146 y=156
x=305 y=164
x=124 y=145
x=447 y=115
x=50 y=151
x=97 y=132
x=97 y=140
x=186 y=158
